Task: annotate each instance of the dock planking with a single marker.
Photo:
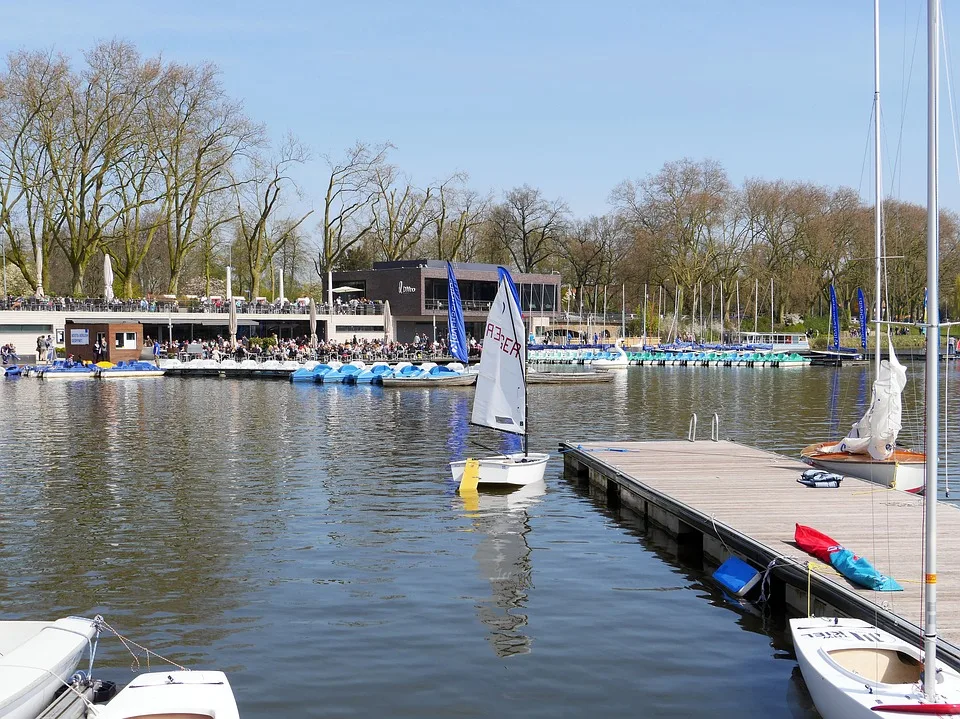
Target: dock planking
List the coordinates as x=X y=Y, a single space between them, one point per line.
x=751 y=499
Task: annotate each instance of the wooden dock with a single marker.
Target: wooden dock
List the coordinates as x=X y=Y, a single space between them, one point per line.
x=745 y=501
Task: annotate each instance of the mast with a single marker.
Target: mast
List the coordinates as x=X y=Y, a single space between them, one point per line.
x=932 y=359
x=644 y=316
x=878 y=189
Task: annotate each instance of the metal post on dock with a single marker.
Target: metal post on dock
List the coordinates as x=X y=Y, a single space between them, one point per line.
x=692 y=429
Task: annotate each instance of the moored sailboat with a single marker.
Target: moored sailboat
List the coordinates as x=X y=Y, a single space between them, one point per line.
x=852 y=668
x=500 y=400
x=870 y=451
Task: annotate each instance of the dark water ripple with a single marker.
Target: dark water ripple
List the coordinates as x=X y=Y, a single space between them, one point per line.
x=309 y=541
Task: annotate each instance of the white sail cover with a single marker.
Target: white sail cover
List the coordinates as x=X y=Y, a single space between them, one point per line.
x=876 y=432
x=500 y=401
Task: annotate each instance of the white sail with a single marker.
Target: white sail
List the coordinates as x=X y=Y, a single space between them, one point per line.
x=500 y=400
x=876 y=432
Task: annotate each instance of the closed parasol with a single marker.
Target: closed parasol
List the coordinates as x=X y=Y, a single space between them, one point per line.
x=313 y=323
x=233 y=323
x=107 y=278
x=387 y=322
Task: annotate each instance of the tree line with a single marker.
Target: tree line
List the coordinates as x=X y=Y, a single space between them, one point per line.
x=151 y=163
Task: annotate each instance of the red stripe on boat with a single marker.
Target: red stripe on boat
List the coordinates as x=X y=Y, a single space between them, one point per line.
x=918 y=708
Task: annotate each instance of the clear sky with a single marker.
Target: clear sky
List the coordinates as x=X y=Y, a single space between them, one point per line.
x=568 y=97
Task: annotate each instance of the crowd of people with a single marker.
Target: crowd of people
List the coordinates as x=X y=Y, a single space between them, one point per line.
x=300 y=349
x=259 y=305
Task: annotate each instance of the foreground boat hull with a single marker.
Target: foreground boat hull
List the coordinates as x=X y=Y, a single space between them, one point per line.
x=191 y=695
x=904 y=471
x=516 y=469
x=852 y=669
x=34 y=670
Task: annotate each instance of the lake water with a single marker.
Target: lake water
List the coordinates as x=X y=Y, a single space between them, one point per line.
x=308 y=541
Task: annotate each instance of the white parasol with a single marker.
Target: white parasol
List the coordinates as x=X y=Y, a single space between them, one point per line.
x=107 y=278
x=313 y=323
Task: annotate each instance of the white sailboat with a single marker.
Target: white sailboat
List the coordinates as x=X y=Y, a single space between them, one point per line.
x=870 y=451
x=851 y=668
x=500 y=400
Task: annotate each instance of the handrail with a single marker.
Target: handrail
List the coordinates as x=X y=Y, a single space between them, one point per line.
x=715 y=427
x=692 y=430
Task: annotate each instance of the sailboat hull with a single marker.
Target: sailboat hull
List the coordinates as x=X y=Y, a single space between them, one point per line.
x=852 y=669
x=904 y=470
x=515 y=469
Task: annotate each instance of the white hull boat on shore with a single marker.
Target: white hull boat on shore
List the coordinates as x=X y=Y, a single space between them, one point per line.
x=37 y=659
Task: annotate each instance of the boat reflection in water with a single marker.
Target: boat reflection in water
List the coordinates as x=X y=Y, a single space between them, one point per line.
x=503 y=558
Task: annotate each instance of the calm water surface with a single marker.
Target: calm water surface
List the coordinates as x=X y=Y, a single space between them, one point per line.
x=308 y=540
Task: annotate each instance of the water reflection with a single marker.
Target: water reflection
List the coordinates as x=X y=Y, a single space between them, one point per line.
x=503 y=558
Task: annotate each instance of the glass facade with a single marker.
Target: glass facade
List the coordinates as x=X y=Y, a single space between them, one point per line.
x=478 y=295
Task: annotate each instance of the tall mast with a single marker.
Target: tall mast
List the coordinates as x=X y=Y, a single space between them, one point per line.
x=933 y=349
x=878 y=184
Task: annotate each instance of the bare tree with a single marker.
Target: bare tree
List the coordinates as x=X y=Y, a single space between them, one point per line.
x=682 y=211
x=198 y=134
x=400 y=214
x=456 y=218
x=527 y=226
x=31 y=90
x=351 y=189
x=259 y=227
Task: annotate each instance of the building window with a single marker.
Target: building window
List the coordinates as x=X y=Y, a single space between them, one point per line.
x=360 y=328
x=125 y=340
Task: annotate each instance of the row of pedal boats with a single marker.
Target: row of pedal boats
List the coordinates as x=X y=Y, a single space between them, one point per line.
x=65 y=369
x=383 y=373
x=618 y=357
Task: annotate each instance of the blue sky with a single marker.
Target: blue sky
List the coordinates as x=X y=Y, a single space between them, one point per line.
x=568 y=97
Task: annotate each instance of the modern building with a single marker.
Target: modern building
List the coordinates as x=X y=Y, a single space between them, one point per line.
x=417 y=293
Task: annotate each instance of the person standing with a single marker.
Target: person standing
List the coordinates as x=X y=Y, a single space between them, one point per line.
x=51 y=351
x=156 y=352
x=41 y=350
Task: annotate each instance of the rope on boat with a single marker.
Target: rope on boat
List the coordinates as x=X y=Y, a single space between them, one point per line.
x=76 y=677
x=135 y=664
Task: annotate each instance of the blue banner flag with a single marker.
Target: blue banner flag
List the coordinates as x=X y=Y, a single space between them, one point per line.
x=834 y=318
x=458 y=331
x=502 y=274
x=863 y=319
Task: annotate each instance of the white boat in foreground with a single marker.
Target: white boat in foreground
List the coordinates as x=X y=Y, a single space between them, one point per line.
x=174 y=695
x=37 y=659
x=853 y=669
